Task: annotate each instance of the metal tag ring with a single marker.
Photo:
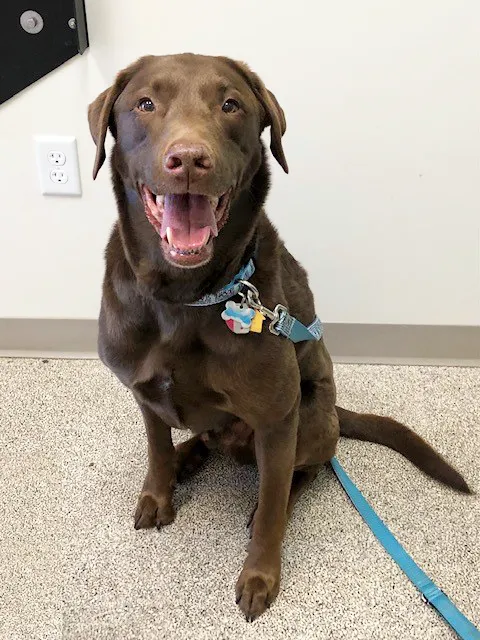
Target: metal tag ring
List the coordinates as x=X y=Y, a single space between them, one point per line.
x=251 y=288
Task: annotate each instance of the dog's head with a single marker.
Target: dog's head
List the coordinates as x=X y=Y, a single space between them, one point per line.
x=187 y=131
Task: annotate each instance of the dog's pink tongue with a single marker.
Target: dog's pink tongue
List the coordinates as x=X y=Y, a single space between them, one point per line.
x=191 y=220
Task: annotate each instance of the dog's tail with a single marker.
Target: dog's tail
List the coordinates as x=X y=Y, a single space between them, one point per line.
x=399 y=437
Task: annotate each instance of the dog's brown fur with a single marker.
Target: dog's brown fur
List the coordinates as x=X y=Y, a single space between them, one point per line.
x=259 y=396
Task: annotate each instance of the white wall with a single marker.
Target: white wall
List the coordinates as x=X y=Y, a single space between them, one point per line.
x=382 y=203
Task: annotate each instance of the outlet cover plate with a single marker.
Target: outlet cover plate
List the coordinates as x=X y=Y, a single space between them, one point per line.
x=66 y=145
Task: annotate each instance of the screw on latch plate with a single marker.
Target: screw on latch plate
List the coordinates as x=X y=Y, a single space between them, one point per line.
x=31 y=21
x=72 y=23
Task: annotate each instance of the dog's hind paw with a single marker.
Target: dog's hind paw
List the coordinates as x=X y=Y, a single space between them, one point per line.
x=190 y=456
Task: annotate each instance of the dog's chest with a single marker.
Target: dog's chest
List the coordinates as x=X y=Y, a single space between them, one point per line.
x=196 y=374
x=179 y=380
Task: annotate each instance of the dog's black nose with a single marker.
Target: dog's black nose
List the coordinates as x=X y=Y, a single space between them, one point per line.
x=187 y=160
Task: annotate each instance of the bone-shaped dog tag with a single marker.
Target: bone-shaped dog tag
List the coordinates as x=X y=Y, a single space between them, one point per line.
x=238 y=317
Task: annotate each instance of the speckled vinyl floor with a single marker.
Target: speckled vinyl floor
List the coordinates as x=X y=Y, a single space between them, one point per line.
x=72 y=566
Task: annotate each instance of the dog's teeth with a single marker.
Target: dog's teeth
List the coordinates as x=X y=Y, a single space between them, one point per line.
x=160 y=200
x=175 y=251
x=169 y=235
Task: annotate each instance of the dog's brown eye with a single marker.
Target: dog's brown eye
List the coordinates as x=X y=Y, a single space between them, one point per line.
x=145 y=104
x=230 y=106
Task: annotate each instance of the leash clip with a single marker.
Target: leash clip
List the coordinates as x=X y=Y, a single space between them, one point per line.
x=252 y=299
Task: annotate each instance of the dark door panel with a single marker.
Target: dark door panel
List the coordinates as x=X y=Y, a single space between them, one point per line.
x=27 y=57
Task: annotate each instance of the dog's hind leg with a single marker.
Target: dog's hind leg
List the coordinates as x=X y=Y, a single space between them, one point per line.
x=302 y=479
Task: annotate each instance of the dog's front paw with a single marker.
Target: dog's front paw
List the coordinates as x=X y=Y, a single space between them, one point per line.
x=256 y=590
x=153 y=511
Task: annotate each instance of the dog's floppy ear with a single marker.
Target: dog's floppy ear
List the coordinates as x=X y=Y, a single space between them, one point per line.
x=274 y=115
x=100 y=112
x=100 y=117
x=277 y=122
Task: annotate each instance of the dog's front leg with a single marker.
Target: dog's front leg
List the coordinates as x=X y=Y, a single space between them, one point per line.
x=155 y=507
x=259 y=581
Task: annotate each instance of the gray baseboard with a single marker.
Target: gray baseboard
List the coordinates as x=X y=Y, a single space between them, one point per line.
x=42 y=337
x=368 y=343
x=404 y=344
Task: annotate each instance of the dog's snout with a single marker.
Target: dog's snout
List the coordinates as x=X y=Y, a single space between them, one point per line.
x=191 y=160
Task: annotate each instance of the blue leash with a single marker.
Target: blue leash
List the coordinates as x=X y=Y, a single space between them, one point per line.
x=431 y=594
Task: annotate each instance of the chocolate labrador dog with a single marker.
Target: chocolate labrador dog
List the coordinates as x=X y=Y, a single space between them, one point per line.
x=190 y=176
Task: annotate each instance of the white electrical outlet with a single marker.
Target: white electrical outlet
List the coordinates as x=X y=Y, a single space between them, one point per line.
x=56 y=158
x=53 y=152
x=59 y=176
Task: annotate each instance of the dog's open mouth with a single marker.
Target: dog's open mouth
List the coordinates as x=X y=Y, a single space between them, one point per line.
x=186 y=223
